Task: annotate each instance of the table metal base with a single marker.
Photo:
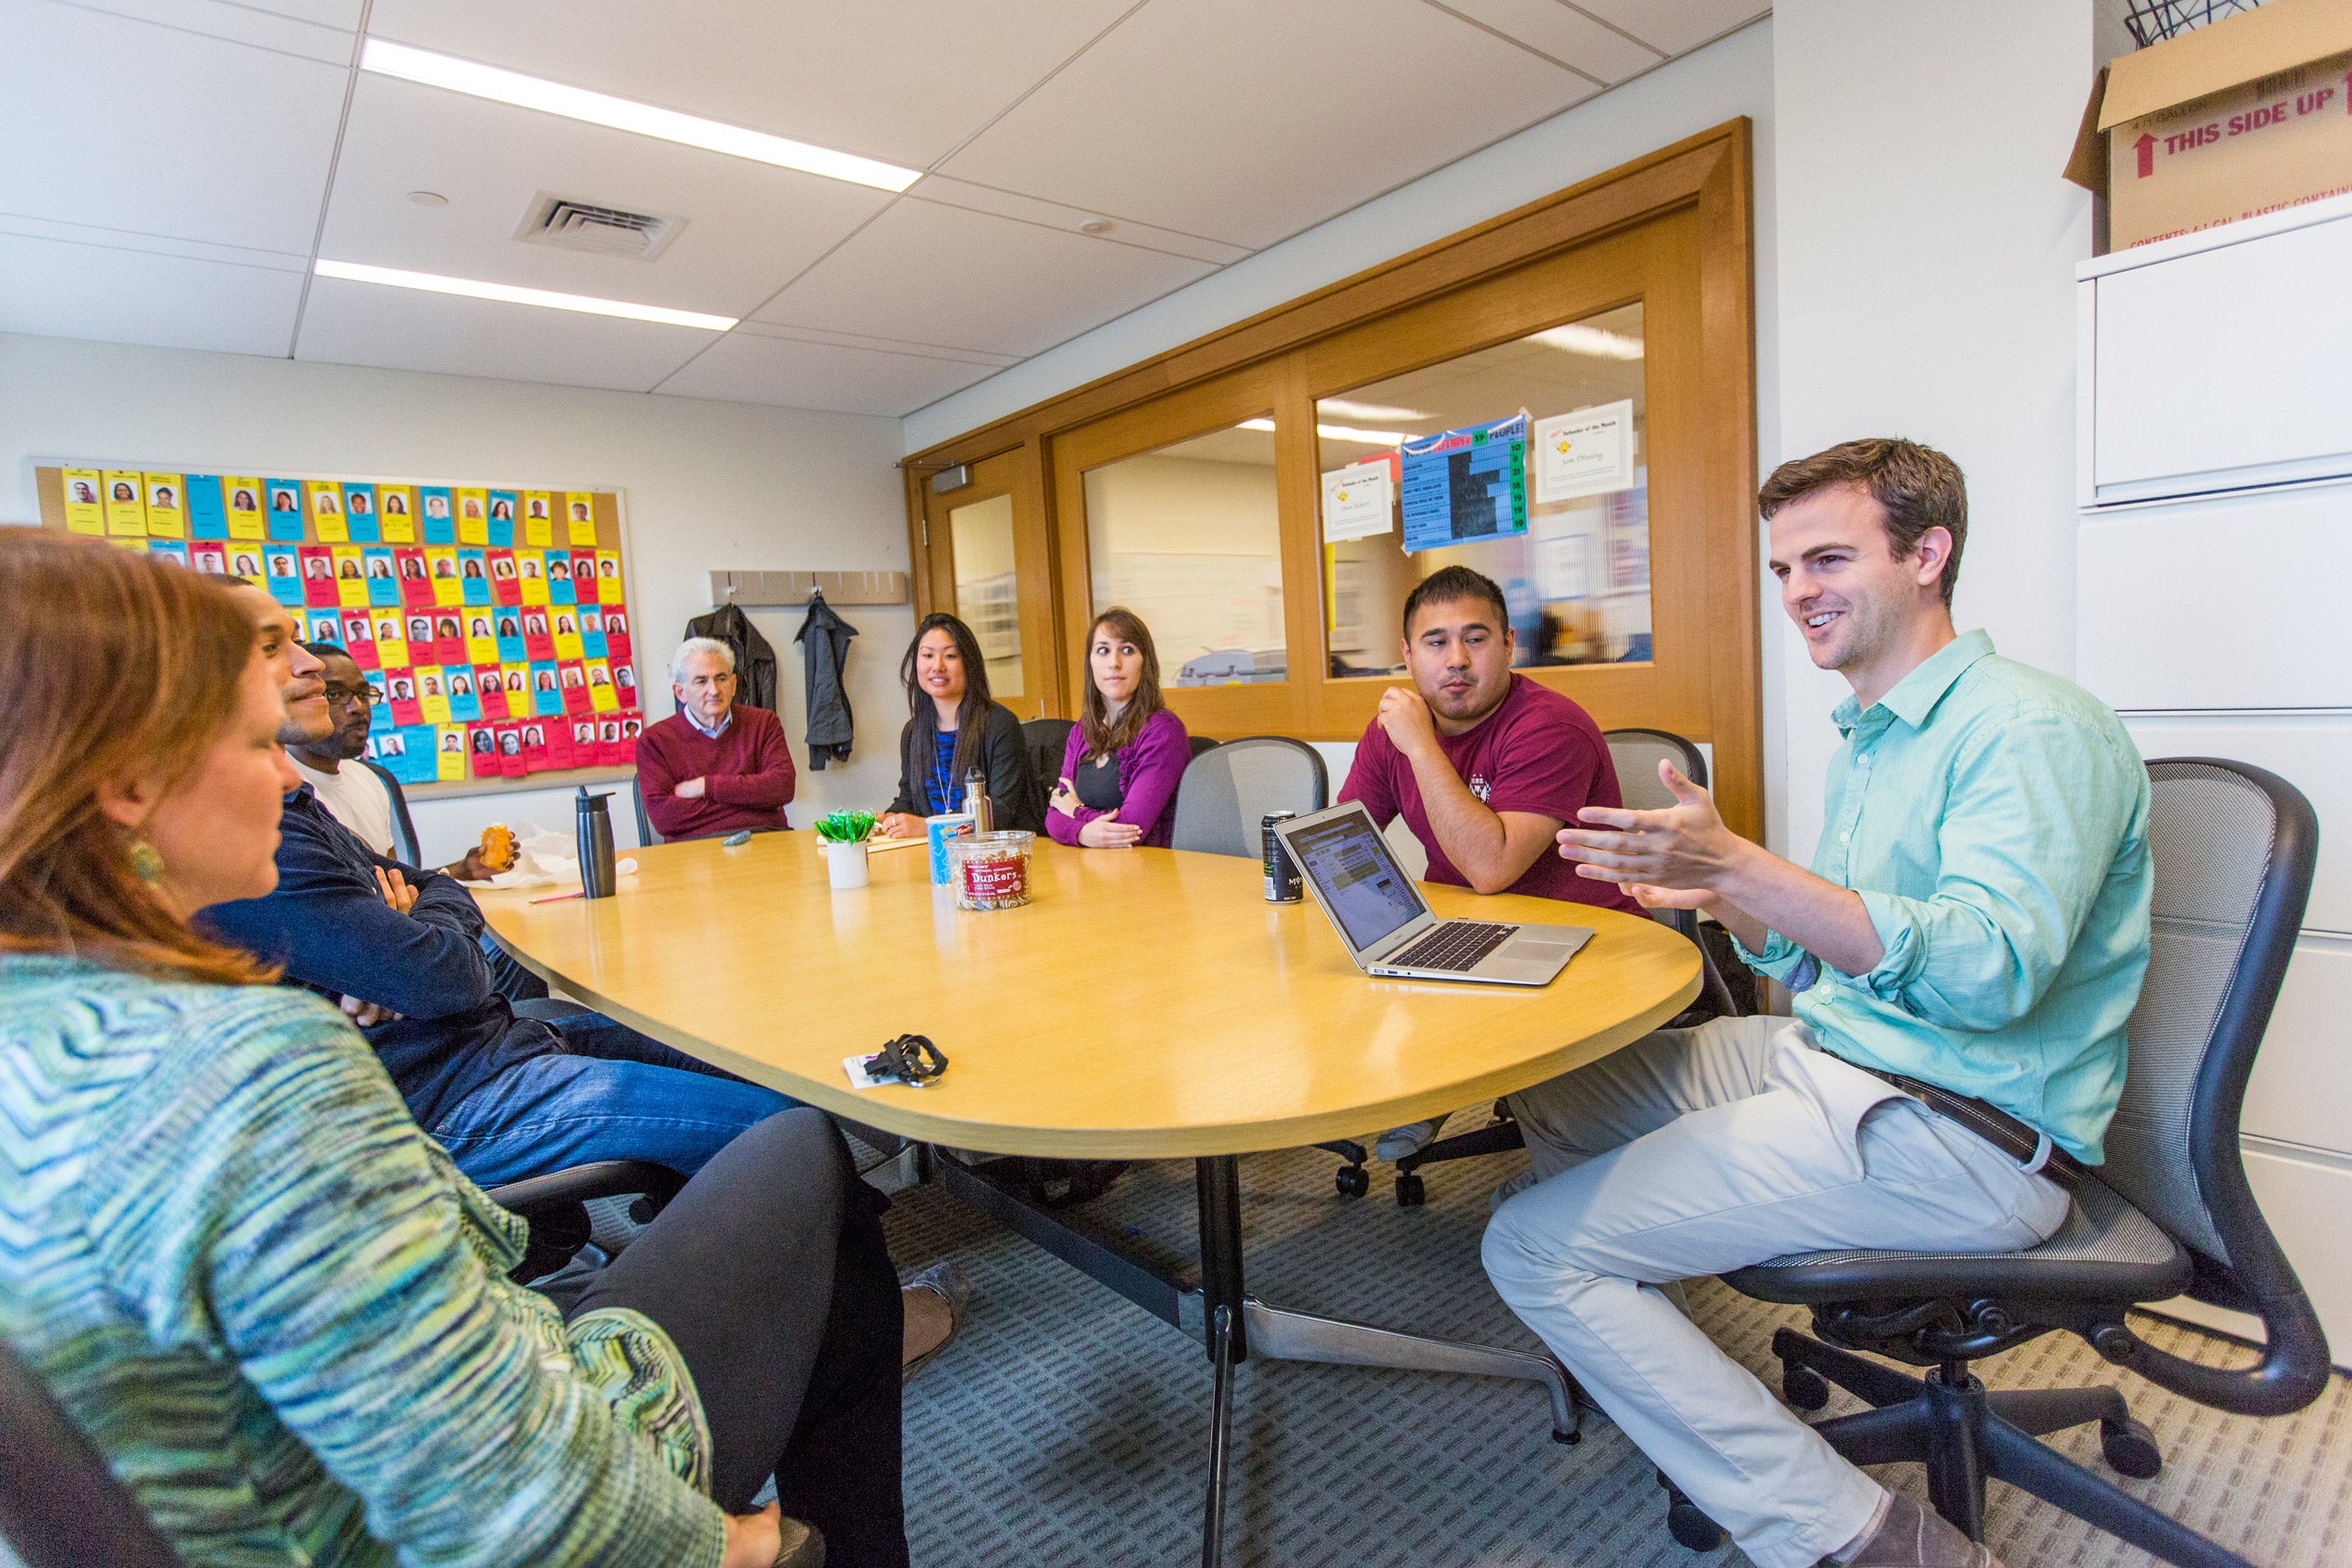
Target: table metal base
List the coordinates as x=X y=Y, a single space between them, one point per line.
x=1235 y=1325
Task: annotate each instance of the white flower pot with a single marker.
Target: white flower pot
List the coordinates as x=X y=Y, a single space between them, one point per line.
x=845 y=864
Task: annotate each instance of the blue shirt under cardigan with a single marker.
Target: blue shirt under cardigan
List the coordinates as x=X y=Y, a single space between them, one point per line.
x=328 y=925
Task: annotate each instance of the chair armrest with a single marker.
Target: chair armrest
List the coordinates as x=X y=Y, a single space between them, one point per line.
x=599 y=1178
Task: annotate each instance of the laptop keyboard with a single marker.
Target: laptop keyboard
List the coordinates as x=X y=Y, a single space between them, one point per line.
x=1456 y=947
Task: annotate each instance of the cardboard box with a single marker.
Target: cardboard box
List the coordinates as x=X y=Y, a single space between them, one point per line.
x=2245 y=116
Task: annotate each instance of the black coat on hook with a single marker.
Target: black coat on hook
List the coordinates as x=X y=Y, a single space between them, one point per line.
x=824 y=656
x=754 y=658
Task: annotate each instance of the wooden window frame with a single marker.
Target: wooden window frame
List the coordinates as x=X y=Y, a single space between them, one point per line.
x=1437 y=302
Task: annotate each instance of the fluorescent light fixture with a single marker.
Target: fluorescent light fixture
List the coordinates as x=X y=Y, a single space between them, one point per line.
x=469 y=76
x=1340 y=432
x=509 y=294
x=1593 y=341
x=1366 y=410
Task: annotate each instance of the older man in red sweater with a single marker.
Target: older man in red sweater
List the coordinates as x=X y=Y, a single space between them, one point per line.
x=712 y=767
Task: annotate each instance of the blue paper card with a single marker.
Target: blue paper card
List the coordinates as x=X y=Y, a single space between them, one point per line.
x=206 y=517
x=285 y=509
x=440 y=527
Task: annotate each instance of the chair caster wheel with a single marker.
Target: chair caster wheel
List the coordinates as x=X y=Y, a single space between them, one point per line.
x=1411 y=1193
x=1691 y=1528
x=1353 y=1181
x=1803 y=1387
x=2130 y=1449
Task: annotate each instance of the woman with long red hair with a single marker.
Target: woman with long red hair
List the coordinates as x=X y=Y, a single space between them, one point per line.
x=272 y=1304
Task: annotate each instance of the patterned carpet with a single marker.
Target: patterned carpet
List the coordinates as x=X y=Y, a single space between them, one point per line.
x=1067 y=1426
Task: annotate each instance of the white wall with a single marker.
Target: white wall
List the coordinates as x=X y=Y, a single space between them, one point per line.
x=705 y=485
x=1925 y=274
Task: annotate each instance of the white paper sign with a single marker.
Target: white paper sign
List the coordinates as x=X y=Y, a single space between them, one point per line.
x=1358 y=502
x=1589 y=452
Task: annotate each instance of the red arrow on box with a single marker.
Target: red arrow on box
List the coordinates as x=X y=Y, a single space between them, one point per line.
x=2146 y=147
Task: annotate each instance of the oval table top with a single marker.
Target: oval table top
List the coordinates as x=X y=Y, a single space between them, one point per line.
x=1146 y=1004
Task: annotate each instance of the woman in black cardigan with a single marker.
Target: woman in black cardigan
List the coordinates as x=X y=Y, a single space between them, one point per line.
x=957 y=726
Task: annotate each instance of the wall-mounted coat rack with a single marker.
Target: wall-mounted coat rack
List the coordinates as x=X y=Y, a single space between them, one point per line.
x=794 y=587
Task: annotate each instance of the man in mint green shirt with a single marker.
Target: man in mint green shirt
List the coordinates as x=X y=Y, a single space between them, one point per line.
x=1976 y=919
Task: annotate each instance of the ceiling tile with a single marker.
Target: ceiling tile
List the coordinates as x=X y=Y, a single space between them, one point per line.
x=744 y=367
x=1568 y=36
x=347 y=323
x=59 y=288
x=1675 y=25
x=927 y=273
x=263 y=27
x=1054 y=215
x=750 y=226
x=904 y=81
x=1247 y=122
x=197 y=137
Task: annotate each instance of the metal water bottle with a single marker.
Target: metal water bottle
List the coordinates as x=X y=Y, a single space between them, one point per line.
x=597 y=879
x=977 y=802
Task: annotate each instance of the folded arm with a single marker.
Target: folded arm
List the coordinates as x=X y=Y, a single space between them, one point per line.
x=766 y=785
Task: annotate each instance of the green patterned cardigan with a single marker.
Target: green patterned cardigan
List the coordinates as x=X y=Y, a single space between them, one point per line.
x=282 y=1314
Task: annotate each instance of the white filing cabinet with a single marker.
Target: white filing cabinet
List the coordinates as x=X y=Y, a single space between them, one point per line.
x=2213 y=563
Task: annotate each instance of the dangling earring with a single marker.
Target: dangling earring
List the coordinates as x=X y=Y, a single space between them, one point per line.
x=146 y=863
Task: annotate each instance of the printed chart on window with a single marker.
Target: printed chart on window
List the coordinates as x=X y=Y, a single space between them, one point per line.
x=493 y=624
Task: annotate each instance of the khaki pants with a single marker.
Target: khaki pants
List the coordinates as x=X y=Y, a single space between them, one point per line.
x=1697 y=1151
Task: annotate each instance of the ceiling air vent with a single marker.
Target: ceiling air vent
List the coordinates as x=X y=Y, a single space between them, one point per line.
x=576 y=225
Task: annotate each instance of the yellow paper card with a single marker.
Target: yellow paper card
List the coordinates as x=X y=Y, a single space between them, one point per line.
x=85 y=506
x=534 y=580
x=481 y=650
x=608 y=576
x=516 y=679
x=473 y=516
x=432 y=702
x=567 y=645
x=395 y=513
x=167 y=507
x=441 y=566
x=126 y=513
x=350 y=579
x=579 y=513
x=601 y=696
x=135 y=544
x=449 y=752
x=324 y=500
x=242 y=500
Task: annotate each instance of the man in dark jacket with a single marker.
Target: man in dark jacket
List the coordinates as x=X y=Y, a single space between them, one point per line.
x=397 y=947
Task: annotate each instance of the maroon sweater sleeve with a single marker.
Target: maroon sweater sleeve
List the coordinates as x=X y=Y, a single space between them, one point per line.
x=766 y=783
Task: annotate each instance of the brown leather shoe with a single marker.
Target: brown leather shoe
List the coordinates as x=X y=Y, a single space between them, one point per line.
x=1914 y=1537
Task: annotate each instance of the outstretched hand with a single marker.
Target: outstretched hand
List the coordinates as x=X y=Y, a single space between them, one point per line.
x=1673 y=859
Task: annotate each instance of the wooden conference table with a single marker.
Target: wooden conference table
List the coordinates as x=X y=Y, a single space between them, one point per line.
x=1147 y=1005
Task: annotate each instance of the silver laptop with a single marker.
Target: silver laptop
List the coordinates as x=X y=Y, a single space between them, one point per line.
x=1386 y=923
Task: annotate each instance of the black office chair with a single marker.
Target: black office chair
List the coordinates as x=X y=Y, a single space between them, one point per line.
x=1200 y=745
x=2171 y=1211
x=646 y=835
x=1636 y=754
x=404 y=827
x=60 y=1506
x=1048 y=740
x=1227 y=789
x=556 y=1206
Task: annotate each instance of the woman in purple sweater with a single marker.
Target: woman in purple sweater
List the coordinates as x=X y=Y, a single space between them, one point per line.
x=1119 y=771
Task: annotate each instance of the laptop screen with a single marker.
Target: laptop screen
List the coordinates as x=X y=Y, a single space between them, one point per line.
x=1365 y=889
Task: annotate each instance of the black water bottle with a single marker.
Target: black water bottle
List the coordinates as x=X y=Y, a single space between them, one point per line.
x=597 y=879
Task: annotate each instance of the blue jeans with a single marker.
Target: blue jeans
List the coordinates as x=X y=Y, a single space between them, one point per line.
x=613 y=1094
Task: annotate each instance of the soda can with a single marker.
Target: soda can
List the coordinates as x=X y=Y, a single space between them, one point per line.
x=1282 y=885
x=939 y=829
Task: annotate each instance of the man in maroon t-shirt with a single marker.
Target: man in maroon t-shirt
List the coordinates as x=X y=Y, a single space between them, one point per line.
x=1484 y=766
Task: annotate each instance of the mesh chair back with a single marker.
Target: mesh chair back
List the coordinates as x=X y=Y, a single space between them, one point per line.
x=1636 y=754
x=404 y=827
x=2218 y=833
x=646 y=835
x=1227 y=789
x=1048 y=740
x=60 y=1506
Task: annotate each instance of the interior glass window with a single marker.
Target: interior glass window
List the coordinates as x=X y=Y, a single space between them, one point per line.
x=985 y=598
x=1527 y=461
x=1188 y=537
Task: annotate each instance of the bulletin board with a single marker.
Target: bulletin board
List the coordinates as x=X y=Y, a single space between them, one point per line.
x=492 y=623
